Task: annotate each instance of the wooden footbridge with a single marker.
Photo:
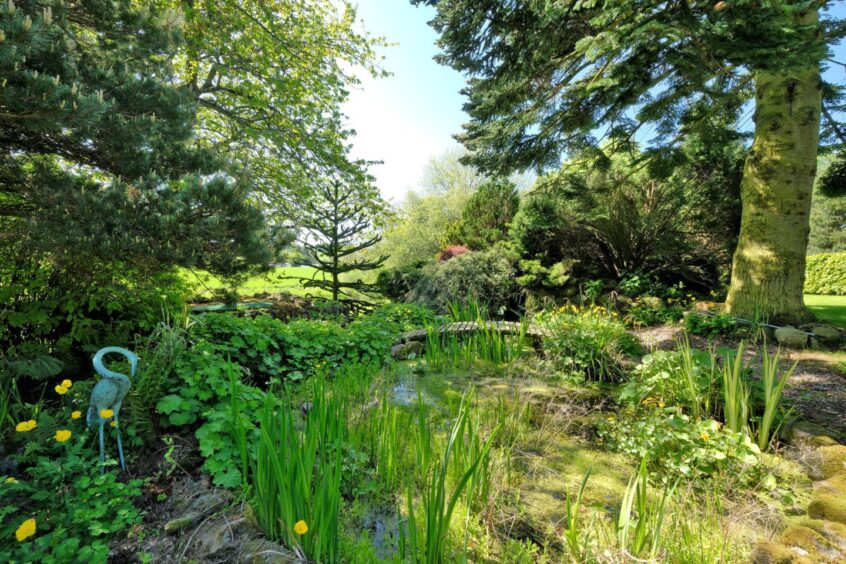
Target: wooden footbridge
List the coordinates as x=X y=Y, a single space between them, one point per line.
x=510 y=327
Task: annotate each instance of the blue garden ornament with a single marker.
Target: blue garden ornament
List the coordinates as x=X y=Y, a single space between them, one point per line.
x=108 y=393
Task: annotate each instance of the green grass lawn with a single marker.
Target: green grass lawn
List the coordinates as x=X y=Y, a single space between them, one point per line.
x=202 y=283
x=828 y=308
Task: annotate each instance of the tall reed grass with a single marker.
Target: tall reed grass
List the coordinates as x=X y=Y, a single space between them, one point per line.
x=437 y=506
x=773 y=385
x=297 y=474
x=735 y=392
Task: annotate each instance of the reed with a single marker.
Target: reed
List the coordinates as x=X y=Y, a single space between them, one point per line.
x=773 y=385
x=735 y=392
x=641 y=519
x=297 y=474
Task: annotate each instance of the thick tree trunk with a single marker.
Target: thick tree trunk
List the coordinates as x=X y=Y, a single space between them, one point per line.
x=778 y=178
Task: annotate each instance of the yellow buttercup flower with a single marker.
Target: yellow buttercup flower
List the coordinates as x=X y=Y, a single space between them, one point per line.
x=26 y=530
x=66 y=383
x=106 y=413
x=11 y=480
x=300 y=527
x=61 y=390
x=113 y=423
x=62 y=435
x=76 y=415
x=25 y=426
x=705 y=437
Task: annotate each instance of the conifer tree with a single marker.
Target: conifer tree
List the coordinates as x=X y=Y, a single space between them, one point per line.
x=549 y=79
x=97 y=153
x=338 y=226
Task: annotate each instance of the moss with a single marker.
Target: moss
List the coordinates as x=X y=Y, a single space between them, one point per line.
x=833 y=460
x=825 y=505
x=774 y=553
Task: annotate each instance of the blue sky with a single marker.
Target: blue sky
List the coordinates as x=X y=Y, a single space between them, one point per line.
x=411 y=116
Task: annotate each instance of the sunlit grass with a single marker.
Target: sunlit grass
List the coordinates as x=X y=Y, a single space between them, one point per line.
x=828 y=308
x=279 y=279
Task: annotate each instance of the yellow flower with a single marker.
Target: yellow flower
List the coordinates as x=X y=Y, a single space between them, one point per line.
x=66 y=383
x=113 y=423
x=61 y=390
x=11 y=480
x=25 y=426
x=26 y=530
x=76 y=415
x=106 y=413
x=62 y=435
x=705 y=437
x=300 y=527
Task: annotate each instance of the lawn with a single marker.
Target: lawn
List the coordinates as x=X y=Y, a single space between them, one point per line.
x=828 y=308
x=277 y=280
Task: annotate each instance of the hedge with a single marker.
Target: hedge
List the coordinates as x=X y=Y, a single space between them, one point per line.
x=826 y=274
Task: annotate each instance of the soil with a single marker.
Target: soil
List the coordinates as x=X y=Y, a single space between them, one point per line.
x=816 y=390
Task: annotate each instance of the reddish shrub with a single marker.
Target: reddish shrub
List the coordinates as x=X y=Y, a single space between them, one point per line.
x=451 y=252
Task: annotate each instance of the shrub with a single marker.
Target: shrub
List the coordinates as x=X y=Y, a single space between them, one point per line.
x=269 y=348
x=486 y=277
x=826 y=274
x=680 y=379
x=398 y=283
x=451 y=251
x=405 y=317
x=593 y=342
x=711 y=325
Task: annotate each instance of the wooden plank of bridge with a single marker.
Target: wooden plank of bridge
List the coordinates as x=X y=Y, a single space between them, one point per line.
x=471 y=326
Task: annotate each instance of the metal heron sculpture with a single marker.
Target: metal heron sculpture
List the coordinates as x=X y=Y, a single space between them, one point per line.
x=108 y=394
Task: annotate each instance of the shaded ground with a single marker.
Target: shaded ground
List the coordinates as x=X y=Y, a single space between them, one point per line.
x=816 y=390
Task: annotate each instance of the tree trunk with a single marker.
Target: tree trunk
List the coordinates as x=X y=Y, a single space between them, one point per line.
x=768 y=272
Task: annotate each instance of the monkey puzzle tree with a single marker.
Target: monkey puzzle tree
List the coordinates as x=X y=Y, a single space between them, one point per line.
x=548 y=78
x=338 y=224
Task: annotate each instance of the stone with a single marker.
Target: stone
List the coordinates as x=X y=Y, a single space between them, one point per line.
x=825 y=333
x=791 y=337
x=805 y=433
x=262 y=551
x=176 y=525
x=706 y=306
x=772 y=553
x=653 y=302
x=833 y=460
x=214 y=538
x=406 y=351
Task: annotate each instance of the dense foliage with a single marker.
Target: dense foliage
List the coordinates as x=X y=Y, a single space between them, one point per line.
x=826 y=274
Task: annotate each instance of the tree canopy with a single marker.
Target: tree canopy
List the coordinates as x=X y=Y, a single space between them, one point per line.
x=547 y=79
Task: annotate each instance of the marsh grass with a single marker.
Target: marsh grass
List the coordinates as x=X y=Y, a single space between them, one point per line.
x=297 y=474
x=773 y=386
x=735 y=391
x=438 y=506
x=485 y=347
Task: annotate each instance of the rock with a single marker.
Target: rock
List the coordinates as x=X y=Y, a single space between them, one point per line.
x=705 y=307
x=806 y=433
x=833 y=460
x=176 y=525
x=214 y=538
x=825 y=333
x=262 y=551
x=406 y=351
x=828 y=501
x=791 y=337
x=653 y=302
x=811 y=539
x=772 y=553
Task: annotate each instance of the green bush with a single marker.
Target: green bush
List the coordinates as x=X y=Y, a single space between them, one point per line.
x=711 y=325
x=826 y=274
x=398 y=283
x=268 y=348
x=484 y=277
x=593 y=342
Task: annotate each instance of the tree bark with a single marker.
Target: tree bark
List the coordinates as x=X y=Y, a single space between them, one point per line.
x=768 y=271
